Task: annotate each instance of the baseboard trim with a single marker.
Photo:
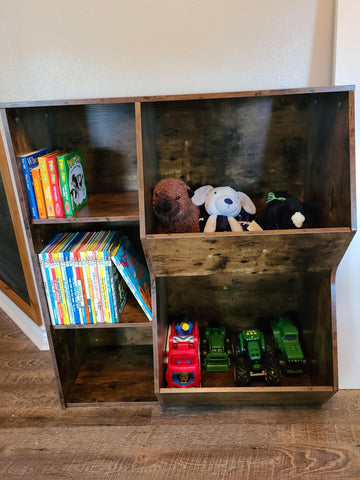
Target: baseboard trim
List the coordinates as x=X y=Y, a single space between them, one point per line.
x=35 y=333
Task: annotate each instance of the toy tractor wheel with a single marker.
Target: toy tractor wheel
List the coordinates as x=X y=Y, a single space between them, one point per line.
x=272 y=372
x=269 y=346
x=242 y=372
x=236 y=348
x=228 y=348
x=204 y=348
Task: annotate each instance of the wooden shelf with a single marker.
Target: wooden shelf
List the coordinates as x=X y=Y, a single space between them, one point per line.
x=102 y=207
x=132 y=316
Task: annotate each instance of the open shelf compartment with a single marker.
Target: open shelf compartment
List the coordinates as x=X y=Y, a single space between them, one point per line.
x=299 y=142
x=251 y=301
x=105 y=365
x=104 y=132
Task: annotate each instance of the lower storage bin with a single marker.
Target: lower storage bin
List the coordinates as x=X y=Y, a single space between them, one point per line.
x=252 y=302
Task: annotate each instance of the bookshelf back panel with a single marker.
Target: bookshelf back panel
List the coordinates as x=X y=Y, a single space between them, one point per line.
x=298 y=143
x=104 y=133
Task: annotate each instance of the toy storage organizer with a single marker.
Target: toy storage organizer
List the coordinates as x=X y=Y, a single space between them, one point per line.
x=301 y=141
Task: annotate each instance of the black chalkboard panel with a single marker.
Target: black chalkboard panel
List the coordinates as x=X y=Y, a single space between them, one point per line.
x=11 y=271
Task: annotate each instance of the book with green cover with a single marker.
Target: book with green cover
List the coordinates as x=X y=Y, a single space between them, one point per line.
x=72 y=181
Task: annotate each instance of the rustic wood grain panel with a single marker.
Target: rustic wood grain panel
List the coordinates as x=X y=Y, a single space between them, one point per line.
x=247 y=253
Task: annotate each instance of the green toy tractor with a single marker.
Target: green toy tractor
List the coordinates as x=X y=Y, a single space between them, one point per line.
x=254 y=357
x=216 y=350
x=286 y=336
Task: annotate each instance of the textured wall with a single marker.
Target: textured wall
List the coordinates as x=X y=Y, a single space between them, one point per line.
x=87 y=48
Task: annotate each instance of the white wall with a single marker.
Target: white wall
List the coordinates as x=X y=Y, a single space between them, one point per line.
x=87 y=48
x=347 y=70
x=91 y=48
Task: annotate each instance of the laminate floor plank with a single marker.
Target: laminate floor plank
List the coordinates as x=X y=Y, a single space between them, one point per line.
x=41 y=441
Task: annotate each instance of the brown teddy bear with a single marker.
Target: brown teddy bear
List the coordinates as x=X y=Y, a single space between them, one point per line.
x=173 y=207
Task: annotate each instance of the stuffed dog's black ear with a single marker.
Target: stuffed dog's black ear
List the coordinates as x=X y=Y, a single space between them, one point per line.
x=191 y=192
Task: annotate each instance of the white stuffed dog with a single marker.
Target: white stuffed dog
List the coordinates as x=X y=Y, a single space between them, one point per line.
x=223 y=201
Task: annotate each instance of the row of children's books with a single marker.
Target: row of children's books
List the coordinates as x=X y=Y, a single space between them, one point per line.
x=55 y=182
x=87 y=276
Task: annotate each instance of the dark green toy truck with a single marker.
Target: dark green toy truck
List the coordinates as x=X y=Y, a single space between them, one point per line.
x=216 y=350
x=286 y=336
x=254 y=358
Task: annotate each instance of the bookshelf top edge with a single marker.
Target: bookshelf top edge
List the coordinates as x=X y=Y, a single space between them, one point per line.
x=176 y=97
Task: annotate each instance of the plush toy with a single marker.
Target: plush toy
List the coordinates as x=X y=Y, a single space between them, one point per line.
x=173 y=208
x=286 y=212
x=224 y=205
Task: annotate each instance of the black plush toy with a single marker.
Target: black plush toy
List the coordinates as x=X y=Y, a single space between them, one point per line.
x=285 y=212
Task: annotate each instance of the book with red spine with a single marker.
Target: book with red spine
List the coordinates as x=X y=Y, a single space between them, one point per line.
x=54 y=180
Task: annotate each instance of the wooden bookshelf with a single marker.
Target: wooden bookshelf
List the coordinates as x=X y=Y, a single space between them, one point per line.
x=299 y=140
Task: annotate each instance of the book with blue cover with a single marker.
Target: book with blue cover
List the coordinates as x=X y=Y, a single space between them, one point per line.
x=134 y=272
x=28 y=162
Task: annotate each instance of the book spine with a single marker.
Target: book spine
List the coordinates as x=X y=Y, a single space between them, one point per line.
x=67 y=289
x=29 y=187
x=64 y=185
x=78 y=293
x=105 y=289
x=61 y=288
x=88 y=289
x=55 y=288
x=82 y=287
x=55 y=187
x=96 y=295
x=98 y=298
x=112 y=277
x=46 y=187
x=39 y=194
x=48 y=290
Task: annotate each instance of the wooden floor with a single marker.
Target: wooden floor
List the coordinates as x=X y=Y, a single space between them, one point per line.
x=39 y=440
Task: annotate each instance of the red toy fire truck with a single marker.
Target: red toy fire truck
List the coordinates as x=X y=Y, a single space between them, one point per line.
x=183 y=369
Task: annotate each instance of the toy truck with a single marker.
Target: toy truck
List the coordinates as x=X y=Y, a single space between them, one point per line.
x=183 y=370
x=216 y=350
x=254 y=358
x=286 y=336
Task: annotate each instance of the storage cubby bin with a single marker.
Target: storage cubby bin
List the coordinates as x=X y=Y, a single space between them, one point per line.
x=300 y=143
x=241 y=302
x=105 y=133
x=101 y=364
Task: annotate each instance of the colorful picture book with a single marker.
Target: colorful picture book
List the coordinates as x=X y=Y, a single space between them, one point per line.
x=72 y=181
x=28 y=162
x=81 y=283
x=134 y=272
x=55 y=182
